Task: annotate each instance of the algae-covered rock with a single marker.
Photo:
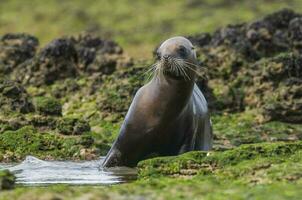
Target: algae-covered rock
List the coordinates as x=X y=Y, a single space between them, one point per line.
x=115 y=96
x=13 y=97
x=42 y=121
x=86 y=140
x=48 y=106
x=15 y=49
x=72 y=126
x=65 y=87
x=232 y=130
x=256 y=65
x=277 y=88
x=54 y=62
x=16 y=145
x=193 y=163
x=7 y=180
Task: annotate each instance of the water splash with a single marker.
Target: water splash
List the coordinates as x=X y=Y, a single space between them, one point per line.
x=33 y=171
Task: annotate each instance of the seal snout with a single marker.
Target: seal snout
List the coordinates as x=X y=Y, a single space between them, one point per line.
x=166 y=58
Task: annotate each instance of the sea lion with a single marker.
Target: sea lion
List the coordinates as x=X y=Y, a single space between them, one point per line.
x=168 y=115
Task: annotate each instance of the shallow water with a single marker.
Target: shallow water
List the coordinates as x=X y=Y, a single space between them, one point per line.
x=33 y=171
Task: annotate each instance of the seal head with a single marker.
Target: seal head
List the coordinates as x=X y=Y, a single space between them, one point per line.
x=176 y=58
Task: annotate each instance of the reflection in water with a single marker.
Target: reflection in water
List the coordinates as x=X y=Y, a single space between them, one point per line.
x=33 y=171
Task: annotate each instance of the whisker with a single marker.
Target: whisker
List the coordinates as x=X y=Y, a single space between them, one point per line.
x=152 y=67
x=192 y=64
x=197 y=72
x=183 y=71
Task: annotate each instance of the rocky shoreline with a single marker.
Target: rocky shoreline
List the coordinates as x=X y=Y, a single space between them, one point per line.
x=67 y=100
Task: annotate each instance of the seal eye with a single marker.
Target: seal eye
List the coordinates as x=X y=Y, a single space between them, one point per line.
x=182 y=51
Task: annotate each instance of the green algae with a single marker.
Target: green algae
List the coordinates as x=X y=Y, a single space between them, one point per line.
x=72 y=126
x=195 y=161
x=118 y=90
x=48 y=106
x=252 y=171
x=16 y=145
x=244 y=128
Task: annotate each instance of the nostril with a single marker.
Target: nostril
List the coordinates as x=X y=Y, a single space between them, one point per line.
x=166 y=57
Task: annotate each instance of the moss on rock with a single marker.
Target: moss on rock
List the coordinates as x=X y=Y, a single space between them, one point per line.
x=15 y=145
x=72 y=126
x=14 y=97
x=118 y=90
x=256 y=65
x=16 y=48
x=48 y=106
x=217 y=163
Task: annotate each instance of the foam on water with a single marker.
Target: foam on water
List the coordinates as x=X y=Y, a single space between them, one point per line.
x=33 y=171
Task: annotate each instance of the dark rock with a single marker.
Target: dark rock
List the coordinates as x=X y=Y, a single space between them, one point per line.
x=97 y=55
x=295 y=33
x=70 y=57
x=201 y=39
x=15 y=49
x=86 y=141
x=7 y=180
x=13 y=97
x=54 y=62
x=281 y=18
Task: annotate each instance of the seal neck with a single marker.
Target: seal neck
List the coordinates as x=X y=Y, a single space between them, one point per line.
x=172 y=90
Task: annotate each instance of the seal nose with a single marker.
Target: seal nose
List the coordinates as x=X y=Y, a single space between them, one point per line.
x=166 y=57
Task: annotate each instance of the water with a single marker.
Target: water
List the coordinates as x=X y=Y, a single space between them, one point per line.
x=33 y=171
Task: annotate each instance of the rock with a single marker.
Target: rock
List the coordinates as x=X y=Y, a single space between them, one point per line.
x=7 y=180
x=114 y=99
x=48 y=106
x=13 y=97
x=97 y=55
x=15 y=49
x=67 y=57
x=201 y=39
x=295 y=33
x=256 y=65
x=86 y=140
x=278 y=89
x=72 y=126
x=54 y=62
